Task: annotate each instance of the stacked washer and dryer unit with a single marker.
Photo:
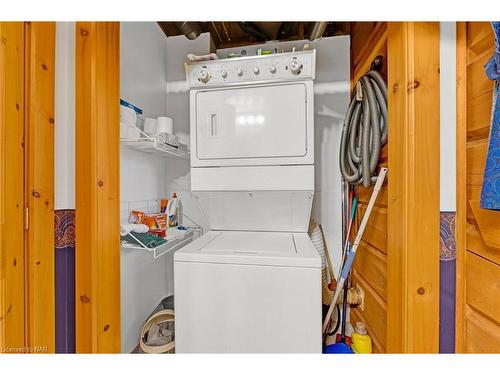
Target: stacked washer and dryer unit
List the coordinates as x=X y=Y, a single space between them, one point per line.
x=252 y=284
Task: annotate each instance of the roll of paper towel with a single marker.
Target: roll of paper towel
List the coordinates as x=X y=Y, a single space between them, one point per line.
x=165 y=125
x=150 y=126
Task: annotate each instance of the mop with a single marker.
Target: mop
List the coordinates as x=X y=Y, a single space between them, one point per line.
x=346 y=269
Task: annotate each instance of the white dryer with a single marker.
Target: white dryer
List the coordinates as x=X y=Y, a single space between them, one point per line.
x=252 y=284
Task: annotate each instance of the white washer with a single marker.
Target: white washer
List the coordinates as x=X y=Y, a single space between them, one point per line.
x=249 y=292
x=252 y=284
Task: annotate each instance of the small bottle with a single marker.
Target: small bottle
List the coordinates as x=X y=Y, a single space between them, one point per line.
x=361 y=341
x=173 y=212
x=180 y=215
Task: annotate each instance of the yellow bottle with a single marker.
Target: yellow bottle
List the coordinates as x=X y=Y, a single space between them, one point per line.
x=361 y=342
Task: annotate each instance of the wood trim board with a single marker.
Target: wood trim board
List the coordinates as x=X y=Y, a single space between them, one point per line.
x=461 y=236
x=27 y=302
x=413 y=188
x=39 y=184
x=97 y=188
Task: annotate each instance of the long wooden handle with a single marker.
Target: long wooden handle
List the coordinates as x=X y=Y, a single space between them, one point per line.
x=352 y=254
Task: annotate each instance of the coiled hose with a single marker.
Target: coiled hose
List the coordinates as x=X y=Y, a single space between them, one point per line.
x=317 y=240
x=365 y=130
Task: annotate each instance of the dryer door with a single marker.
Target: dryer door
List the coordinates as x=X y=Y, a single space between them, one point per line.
x=252 y=125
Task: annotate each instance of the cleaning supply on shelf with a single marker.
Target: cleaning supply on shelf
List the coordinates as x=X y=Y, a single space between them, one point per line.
x=157 y=223
x=163 y=205
x=137 y=110
x=361 y=341
x=128 y=121
x=180 y=213
x=341 y=346
x=127 y=116
x=136 y=217
x=136 y=228
x=173 y=211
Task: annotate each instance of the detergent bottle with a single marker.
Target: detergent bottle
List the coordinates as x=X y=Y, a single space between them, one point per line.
x=361 y=342
x=173 y=211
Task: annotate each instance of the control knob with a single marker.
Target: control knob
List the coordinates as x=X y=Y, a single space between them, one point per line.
x=239 y=72
x=295 y=66
x=272 y=69
x=256 y=70
x=223 y=74
x=204 y=76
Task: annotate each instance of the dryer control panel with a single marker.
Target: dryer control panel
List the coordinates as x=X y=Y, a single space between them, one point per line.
x=290 y=66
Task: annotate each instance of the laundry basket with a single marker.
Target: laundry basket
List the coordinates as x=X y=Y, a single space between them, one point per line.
x=158 y=332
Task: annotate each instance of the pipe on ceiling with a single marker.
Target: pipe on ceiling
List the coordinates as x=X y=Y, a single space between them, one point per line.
x=254 y=30
x=190 y=30
x=285 y=30
x=317 y=30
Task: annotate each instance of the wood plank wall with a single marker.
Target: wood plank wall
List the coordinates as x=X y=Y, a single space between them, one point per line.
x=27 y=300
x=369 y=39
x=12 y=270
x=478 y=231
x=413 y=188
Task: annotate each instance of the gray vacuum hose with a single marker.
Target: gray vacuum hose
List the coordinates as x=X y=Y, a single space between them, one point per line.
x=365 y=130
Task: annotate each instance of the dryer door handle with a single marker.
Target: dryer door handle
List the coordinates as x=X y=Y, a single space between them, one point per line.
x=212 y=125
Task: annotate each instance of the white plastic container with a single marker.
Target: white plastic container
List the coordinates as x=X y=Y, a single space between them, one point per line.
x=127 y=115
x=130 y=132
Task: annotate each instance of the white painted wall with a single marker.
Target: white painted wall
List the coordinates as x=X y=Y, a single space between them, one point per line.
x=331 y=98
x=179 y=179
x=144 y=280
x=143 y=53
x=65 y=116
x=447 y=117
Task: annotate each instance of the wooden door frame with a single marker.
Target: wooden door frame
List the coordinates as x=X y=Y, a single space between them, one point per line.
x=97 y=257
x=462 y=204
x=413 y=188
x=37 y=106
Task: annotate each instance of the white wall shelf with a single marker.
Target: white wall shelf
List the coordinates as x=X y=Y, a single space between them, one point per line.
x=151 y=145
x=176 y=238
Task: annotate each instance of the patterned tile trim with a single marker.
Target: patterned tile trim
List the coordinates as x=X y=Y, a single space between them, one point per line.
x=64 y=228
x=447 y=236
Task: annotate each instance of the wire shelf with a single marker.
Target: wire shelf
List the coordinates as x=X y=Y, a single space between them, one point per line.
x=176 y=237
x=151 y=145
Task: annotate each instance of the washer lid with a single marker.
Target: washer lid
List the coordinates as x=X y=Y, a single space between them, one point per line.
x=251 y=248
